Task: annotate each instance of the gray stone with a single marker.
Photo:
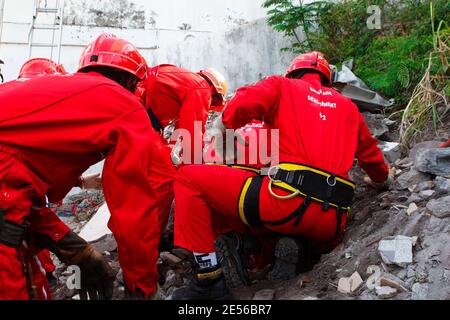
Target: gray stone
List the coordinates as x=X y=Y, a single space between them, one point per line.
x=386 y=292
x=397 y=250
x=442 y=184
x=420 y=291
x=391 y=151
x=413 y=198
x=404 y=163
x=264 y=295
x=423 y=145
x=426 y=194
x=402 y=274
x=119 y=277
x=434 y=161
x=376 y=124
x=427 y=185
x=440 y=207
x=410 y=178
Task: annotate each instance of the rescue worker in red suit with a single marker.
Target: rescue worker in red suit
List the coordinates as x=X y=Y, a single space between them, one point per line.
x=41 y=264
x=307 y=192
x=177 y=96
x=47 y=142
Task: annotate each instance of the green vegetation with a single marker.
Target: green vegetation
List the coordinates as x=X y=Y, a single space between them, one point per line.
x=407 y=54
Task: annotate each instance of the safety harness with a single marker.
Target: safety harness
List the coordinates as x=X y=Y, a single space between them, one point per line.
x=313 y=184
x=11 y=234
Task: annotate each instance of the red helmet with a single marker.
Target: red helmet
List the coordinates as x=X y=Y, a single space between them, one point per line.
x=312 y=60
x=39 y=67
x=110 y=51
x=216 y=79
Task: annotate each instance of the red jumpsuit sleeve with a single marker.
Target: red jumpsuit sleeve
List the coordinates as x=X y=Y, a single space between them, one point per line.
x=253 y=103
x=370 y=158
x=132 y=201
x=45 y=222
x=193 y=115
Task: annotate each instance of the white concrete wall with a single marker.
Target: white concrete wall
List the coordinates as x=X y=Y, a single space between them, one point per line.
x=153 y=26
x=244 y=55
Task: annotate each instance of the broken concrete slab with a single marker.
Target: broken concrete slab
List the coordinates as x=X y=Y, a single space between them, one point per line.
x=386 y=292
x=440 y=207
x=352 y=87
x=397 y=250
x=434 y=161
x=264 y=295
x=391 y=151
x=351 y=284
x=97 y=227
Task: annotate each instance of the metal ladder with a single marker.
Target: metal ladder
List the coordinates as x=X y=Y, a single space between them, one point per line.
x=55 y=12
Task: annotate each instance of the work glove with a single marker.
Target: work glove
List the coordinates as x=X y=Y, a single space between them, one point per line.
x=383 y=185
x=225 y=144
x=93 y=181
x=97 y=277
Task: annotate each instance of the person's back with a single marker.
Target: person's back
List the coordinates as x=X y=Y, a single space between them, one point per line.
x=318 y=126
x=52 y=128
x=72 y=123
x=169 y=88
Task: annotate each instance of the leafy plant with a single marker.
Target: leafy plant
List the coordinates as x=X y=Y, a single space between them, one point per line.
x=295 y=19
x=391 y=60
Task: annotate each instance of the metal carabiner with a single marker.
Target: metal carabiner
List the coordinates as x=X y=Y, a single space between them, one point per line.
x=334 y=182
x=272 y=176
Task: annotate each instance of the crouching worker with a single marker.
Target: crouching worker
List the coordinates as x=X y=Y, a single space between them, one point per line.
x=308 y=193
x=53 y=128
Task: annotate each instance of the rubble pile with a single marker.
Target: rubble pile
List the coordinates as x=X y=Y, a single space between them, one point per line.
x=396 y=245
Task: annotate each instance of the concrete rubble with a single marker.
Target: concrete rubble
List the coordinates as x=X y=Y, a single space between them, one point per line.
x=434 y=161
x=391 y=150
x=351 y=284
x=395 y=247
x=386 y=292
x=397 y=250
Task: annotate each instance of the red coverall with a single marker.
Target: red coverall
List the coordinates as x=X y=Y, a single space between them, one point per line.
x=312 y=132
x=52 y=129
x=179 y=95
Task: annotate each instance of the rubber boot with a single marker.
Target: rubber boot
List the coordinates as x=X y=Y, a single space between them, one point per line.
x=208 y=284
x=233 y=251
